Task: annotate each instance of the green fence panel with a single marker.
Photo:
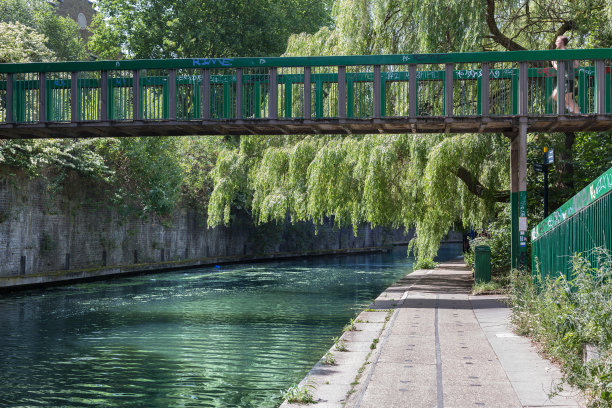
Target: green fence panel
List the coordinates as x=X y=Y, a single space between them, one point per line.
x=581 y=225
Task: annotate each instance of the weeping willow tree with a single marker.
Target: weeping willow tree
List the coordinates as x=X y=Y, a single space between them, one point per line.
x=429 y=182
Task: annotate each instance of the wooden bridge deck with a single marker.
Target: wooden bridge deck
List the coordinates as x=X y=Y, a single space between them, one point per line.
x=471 y=124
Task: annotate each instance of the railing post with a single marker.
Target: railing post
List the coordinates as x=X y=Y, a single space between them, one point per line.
x=74 y=77
x=205 y=94
x=307 y=93
x=136 y=95
x=273 y=103
x=484 y=90
x=9 y=98
x=412 y=91
x=238 y=93
x=523 y=88
x=342 y=92
x=42 y=97
x=600 y=87
x=560 y=88
x=103 y=95
x=448 y=91
x=172 y=94
x=377 y=92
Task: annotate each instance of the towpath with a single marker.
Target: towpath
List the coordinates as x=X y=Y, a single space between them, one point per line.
x=426 y=342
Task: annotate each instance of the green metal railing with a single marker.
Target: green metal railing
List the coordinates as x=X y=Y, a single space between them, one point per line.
x=578 y=226
x=429 y=85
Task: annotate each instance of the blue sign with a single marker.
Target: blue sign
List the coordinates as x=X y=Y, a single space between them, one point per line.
x=550 y=156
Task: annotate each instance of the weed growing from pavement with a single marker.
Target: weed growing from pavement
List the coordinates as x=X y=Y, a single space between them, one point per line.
x=329 y=359
x=350 y=326
x=339 y=344
x=298 y=394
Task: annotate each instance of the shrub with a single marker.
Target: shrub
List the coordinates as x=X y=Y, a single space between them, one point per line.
x=564 y=315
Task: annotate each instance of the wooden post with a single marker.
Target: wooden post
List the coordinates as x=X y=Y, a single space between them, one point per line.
x=42 y=97
x=412 y=91
x=9 y=98
x=104 y=96
x=136 y=95
x=74 y=77
x=238 y=93
x=342 y=92
x=523 y=88
x=377 y=93
x=448 y=91
x=560 y=88
x=485 y=89
x=172 y=94
x=273 y=102
x=600 y=87
x=205 y=94
x=307 y=93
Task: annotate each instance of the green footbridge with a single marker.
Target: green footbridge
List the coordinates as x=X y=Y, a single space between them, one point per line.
x=487 y=92
x=421 y=93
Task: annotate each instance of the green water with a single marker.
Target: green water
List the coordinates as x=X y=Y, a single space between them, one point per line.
x=233 y=336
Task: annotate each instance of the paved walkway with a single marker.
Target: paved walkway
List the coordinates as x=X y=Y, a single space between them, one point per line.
x=439 y=348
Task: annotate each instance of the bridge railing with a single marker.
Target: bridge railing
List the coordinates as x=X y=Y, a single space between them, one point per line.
x=349 y=87
x=578 y=226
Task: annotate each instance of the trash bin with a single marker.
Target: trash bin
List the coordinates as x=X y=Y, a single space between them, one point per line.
x=482 y=264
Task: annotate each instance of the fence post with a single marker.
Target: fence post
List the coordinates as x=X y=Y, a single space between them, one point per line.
x=560 y=88
x=103 y=95
x=484 y=90
x=9 y=98
x=307 y=93
x=136 y=95
x=42 y=97
x=523 y=88
x=172 y=94
x=412 y=91
x=273 y=103
x=74 y=77
x=205 y=94
x=342 y=92
x=238 y=93
x=600 y=87
x=448 y=91
x=377 y=91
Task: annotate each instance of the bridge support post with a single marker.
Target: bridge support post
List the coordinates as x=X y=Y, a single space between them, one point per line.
x=518 y=196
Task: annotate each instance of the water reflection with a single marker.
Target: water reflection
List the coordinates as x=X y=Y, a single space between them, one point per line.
x=228 y=337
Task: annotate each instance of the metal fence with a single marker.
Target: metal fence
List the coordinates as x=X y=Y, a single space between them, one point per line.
x=432 y=85
x=581 y=225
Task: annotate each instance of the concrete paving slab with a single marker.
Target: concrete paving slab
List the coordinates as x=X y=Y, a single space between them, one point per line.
x=372 y=317
x=494 y=395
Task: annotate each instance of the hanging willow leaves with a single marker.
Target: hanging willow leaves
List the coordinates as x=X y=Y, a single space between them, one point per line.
x=429 y=182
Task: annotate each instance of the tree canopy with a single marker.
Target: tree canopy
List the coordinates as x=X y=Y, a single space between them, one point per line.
x=202 y=28
x=430 y=182
x=60 y=34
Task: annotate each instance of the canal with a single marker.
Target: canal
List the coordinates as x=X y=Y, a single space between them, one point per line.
x=229 y=336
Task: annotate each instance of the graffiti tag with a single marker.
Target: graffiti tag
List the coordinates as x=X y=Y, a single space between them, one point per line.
x=204 y=62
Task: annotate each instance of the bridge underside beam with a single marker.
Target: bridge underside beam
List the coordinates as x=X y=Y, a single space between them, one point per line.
x=303 y=126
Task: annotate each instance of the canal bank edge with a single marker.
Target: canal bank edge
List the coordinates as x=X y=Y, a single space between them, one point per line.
x=19 y=282
x=337 y=385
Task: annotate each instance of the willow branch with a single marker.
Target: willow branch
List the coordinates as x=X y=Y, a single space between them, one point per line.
x=497 y=35
x=475 y=187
